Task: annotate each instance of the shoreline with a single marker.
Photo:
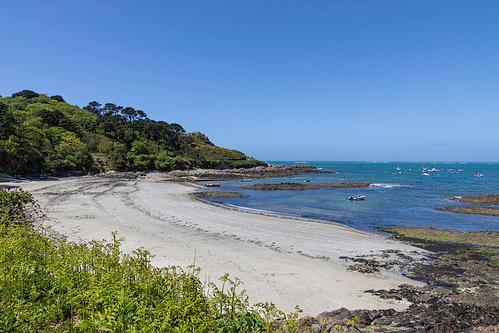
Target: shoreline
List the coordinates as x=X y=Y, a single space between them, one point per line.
x=279 y=259
x=269 y=213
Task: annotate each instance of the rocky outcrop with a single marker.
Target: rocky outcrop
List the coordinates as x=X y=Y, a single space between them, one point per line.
x=482 y=199
x=218 y=194
x=478 y=210
x=460 y=295
x=304 y=186
x=244 y=173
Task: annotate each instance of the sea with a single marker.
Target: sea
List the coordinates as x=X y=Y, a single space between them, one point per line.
x=403 y=194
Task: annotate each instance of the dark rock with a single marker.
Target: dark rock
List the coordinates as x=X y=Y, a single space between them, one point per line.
x=309 y=324
x=302 y=186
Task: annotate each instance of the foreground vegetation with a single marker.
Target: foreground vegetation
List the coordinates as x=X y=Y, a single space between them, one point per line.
x=49 y=284
x=45 y=134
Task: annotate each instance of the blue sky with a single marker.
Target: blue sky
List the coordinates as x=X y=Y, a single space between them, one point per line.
x=279 y=80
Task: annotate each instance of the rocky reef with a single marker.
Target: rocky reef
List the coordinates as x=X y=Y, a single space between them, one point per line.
x=482 y=199
x=218 y=194
x=244 y=173
x=478 y=210
x=461 y=292
x=304 y=186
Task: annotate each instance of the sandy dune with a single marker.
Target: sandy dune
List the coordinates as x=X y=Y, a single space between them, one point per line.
x=282 y=260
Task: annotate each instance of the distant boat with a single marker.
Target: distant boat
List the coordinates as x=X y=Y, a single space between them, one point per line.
x=212 y=185
x=357 y=197
x=479 y=175
x=425 y=174
x=246 y=180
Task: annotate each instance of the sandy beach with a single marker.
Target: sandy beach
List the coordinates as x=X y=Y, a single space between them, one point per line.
x=283 y=260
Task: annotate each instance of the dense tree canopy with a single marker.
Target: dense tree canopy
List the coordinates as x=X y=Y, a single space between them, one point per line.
x=42 y=134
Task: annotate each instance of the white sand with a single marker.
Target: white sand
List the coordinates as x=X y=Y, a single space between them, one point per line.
x=282 y=260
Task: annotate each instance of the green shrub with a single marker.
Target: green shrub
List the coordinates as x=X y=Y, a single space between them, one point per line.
x=52 y=285
x=13 y=206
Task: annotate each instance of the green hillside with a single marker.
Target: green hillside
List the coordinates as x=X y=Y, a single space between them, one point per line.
x=42 y=134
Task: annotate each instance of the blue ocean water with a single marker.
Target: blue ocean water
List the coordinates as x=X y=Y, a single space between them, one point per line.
x=403 y=196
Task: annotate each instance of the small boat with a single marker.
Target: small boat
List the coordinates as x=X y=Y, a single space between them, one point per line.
x=357 y=197
x=212 y=185
x=479 y=175
x=246 y=180
x=425 y=174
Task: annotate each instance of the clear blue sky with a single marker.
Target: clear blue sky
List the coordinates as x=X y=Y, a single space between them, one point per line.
x=288 y=80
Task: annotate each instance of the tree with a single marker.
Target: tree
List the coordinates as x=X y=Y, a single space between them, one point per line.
x=26 y=94
x=111 y=109
x=19 y=156
x=41 y=134
x=143 y=154
x=129 y=113
x=7 y=121
x=141 y=114
x=94 y=107
x=118 y=157
x=177 y=128
x=70 y=155
x=57 y=118
x=58 y=98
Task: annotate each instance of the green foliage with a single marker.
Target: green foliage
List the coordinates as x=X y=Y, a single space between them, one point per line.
x=197 y=145
x=41 y=134
x=167 y=161
x=58 y=98
x=70 y=154
x=12 y=206
x=26 y=94
x=7 y=121
x=117 y=157
x=143 y=154
x=51 y=285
